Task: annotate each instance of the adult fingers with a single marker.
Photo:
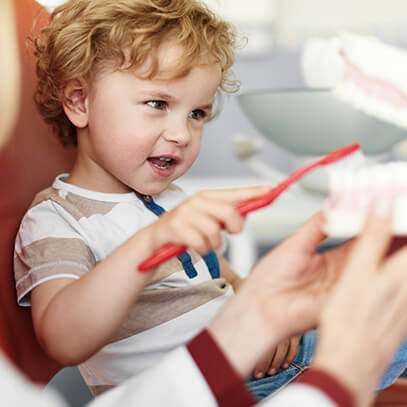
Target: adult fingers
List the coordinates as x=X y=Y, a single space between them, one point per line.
x=374 y=240
x=396 y=264
x=391 y=296
x=309 y=235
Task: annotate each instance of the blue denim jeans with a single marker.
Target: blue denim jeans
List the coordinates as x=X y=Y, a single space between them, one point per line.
x=396 y=367
x=264 y=387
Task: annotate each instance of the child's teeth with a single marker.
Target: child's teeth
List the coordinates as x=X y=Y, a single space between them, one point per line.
x=161 y=162
x=162 y=166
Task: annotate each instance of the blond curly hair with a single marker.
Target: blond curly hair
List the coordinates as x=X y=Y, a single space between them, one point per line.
x=85 y=34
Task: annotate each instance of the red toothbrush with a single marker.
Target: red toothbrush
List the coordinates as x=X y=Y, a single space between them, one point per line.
x=170 y=250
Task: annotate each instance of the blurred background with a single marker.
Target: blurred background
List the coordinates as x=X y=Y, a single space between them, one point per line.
x=276 y=32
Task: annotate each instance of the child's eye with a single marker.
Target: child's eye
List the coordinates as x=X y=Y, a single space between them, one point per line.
x=197 y=114
x=157 y=104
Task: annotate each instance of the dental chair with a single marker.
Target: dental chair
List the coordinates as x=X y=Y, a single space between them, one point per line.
x=28 y=162
x=395 y=395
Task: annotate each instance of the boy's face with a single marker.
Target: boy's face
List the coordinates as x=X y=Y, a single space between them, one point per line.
x=143 y=134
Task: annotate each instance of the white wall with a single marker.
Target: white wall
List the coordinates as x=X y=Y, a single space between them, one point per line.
x=295 y=18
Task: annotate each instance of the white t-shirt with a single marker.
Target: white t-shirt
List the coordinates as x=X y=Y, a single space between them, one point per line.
x=68 y=230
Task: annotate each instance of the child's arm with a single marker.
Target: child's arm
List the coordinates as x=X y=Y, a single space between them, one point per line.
x=229 y=274
x=75 y=318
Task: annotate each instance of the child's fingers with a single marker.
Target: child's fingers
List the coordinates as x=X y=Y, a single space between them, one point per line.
x=279 y=357
x=263 y=365
x=205 y=214
x=234 y=196
x=210 y=230
x=197 y=240
x=225 y=214
x=292 y=351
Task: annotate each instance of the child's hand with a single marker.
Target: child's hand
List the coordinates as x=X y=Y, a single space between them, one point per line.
x=280 y=357
x=198 y=221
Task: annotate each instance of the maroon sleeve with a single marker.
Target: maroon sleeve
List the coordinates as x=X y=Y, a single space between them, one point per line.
x=230 y=390
x=329 y=385
x=227 y=386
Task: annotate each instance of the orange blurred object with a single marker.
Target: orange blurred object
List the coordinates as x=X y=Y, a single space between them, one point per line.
x=28 y=163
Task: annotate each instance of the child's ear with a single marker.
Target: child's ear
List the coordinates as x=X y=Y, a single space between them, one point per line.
x=76 y=102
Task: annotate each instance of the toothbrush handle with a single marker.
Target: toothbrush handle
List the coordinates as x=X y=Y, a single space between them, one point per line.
x=259 y=202
x=170 y=250
x=161 y=255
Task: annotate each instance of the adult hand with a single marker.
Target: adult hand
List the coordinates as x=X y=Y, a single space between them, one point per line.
x=365 y=320
x=292 y=281
x=282 y=296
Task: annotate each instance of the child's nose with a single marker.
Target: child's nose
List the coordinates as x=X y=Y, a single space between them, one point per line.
x=179 y=133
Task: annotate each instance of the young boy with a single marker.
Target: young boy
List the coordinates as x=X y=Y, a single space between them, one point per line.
x=131 y=83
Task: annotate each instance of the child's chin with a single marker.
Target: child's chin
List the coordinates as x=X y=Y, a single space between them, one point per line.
x=154 y=190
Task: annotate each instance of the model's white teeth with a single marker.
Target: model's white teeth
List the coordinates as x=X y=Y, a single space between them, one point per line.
x=379 y=175
x=352 y=193
x=376 y=59
x=363 y=71
x=374 y=79
x=350 y=93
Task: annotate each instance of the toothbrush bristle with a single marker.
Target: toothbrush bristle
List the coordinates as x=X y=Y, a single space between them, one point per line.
x=354 y=160
x=349 y=156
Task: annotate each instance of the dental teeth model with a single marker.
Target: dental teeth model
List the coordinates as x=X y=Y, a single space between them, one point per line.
x=374 y=78
x=351 y=193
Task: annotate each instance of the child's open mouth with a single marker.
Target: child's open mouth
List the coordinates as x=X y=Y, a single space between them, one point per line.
x=161 y=162
x=163 y=165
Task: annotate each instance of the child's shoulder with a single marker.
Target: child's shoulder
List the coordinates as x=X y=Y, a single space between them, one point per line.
x=42 y=196
x=73 y=199
x=54 y=201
